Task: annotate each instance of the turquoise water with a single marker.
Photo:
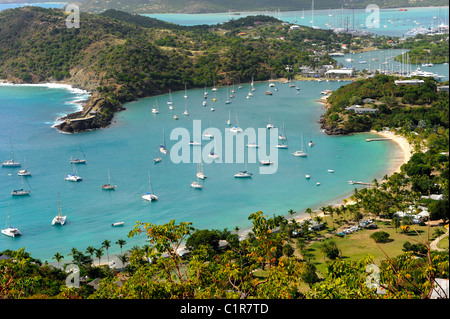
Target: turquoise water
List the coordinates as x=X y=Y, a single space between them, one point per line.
x=128 y=148
x=391 y=21
x=376 y=58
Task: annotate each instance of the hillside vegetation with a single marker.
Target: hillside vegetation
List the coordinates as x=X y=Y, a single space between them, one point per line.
x=205 y=6
x=120 y=57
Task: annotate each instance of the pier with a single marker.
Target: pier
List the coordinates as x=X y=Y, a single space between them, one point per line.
x=378 y=139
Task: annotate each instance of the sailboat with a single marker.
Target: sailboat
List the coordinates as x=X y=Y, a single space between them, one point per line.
x=300 y=153
x=227 y=101
x=155 y=107
x=10 y=231
x=149 y=195
x=270 y=125
x=73 y=177
x=185 y=92
x=169 y=102
x=59 y=219
x=109 y=186
x=162 y=147
x=11 y=162
x=311 y=143
x=212 y=154
x=78 y=160
x=185 y=109
x=282 y=135
x=236 y=128
x=253 y=85
x=196 y=184
x=20 y=192
x=24 y=172
x=229 y=118
x=200 y=173
x=245 y=173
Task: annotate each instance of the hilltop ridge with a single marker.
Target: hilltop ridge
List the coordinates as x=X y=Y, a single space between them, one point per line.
x=121 y=57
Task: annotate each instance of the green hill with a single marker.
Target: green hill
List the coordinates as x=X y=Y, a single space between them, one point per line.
x=204 y=6
x=120 y=57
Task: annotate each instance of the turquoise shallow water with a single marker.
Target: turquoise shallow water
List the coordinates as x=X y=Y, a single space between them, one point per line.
x=129 y=146
x=391 y=21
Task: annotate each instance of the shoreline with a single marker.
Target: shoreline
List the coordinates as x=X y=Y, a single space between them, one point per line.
x=394 y=165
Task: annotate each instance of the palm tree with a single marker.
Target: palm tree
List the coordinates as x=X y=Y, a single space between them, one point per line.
x=121 y=243
x=309 y=211
x=123 y=259
x=58 y=257
x=291 y=212
x=99 y=254
x=73 y=252
x=91 y=250
x=106 y=244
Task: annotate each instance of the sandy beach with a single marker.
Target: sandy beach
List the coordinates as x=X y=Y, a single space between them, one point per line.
x=407 y=150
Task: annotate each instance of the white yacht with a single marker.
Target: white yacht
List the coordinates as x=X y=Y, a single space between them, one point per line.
x=24 y=172
x=243 y=174
x=78 y=160
x=300 y=153
x=11 y=162
x=10 y=231
x=236 y=129
x=200 y=173
x=149 y=195
x=265 y=162
x=155 y=107
x=252 y=145
x=116 y=224
x=162 y=147
x=195 y=143
x=157 y=160
x=330 y=171
x=208 y=135
x=20 y=192
x=281 y=146
x=213 y=155
x=282 y=135
x=59 y=219
x=169 y=102
x=196 y=185
x=109 y=186
x=307 y=176
x=73 y=177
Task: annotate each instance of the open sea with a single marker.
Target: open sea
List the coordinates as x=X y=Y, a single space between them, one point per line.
x=127 y=149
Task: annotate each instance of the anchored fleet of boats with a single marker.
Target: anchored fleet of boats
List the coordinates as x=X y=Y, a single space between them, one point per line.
x=80 y=158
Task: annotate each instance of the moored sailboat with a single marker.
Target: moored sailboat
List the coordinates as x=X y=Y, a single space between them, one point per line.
x=59 y=219
x=9 y=230
x=109 y=186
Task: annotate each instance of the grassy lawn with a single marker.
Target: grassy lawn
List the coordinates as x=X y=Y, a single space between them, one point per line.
x=359 y=244
x=443 y=243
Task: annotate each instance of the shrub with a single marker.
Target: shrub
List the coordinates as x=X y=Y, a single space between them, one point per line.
x=380 y=237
